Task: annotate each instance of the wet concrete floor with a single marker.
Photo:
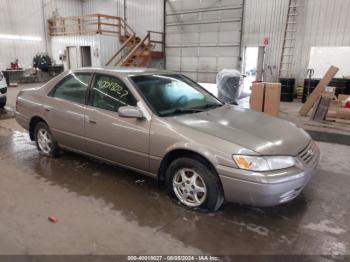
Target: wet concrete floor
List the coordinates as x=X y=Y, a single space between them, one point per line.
x=107 y=210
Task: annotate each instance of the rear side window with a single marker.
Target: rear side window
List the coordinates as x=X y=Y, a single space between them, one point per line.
x=110 y=93
x=73 y=88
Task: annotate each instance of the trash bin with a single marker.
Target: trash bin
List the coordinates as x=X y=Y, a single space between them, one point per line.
x=229 y=84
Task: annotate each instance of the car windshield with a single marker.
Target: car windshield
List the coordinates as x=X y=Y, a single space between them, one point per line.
x=173 y=94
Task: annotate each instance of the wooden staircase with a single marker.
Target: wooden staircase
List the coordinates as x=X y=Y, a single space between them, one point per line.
x=134 y=51
x=138 y=52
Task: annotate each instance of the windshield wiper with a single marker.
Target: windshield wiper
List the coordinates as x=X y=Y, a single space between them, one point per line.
x=207 y=106
x=181 y=110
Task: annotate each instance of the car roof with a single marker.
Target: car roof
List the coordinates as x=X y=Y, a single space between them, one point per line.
x=127 y=71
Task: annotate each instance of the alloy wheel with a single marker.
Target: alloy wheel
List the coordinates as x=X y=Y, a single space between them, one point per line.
x=44 y=140
x=189 y=187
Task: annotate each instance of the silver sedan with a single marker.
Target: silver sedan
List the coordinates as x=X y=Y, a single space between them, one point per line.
x=164 y=125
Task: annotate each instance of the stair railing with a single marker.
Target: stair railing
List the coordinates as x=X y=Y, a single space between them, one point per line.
x=156 y=41
x=124 y=28
x=137 y=48
x=122 y=48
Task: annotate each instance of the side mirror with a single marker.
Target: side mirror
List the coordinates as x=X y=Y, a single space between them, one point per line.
x=130 y=112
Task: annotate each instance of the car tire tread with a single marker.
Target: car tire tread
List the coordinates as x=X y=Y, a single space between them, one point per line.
x=215 y=197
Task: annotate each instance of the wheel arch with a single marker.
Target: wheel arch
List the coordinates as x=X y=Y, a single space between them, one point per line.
x=32 y=123
x=182 y=152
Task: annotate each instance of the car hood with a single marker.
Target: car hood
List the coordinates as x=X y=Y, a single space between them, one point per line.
x=259 y=132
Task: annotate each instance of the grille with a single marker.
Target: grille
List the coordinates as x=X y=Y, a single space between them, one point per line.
x=308 y=153
x=3 y=90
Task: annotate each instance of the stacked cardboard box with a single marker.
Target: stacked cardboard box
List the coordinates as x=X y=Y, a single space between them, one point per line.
x=336 y=108
x=266 y=97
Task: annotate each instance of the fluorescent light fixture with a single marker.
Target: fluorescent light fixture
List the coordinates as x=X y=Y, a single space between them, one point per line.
x=21 y=37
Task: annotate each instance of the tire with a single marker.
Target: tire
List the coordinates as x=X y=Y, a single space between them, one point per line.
x=3 y=101
x=45 y=141
x=205 y=193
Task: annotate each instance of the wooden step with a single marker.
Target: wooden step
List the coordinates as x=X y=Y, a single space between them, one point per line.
x=156 y=54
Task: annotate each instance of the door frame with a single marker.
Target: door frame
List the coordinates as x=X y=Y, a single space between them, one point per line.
x=260 y=61
x=77 y=56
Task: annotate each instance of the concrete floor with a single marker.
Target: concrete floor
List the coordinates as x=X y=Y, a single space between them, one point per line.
x=108 y=210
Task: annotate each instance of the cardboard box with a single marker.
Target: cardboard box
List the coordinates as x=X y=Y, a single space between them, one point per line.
x=335 y=105
x=272 y=98
x=332 y=113
x=342 y=97
x=343 y=113
x=257 y=97
x=266 y=98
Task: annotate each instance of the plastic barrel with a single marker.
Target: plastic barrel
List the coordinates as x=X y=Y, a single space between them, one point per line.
x=287 y=89
x=340 y=84
x=314 y=83
x=347 y=88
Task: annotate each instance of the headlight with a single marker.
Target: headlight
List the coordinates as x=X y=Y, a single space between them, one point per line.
x=266 y=163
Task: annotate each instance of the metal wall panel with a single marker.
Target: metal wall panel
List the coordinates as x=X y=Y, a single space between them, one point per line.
x=108 y=47
x=68 y=7
x=321 y=23
x=107 y=7
x=266 y=19
x=59 y=44
x=14 y=21
x=203 y=36
x=145 y=15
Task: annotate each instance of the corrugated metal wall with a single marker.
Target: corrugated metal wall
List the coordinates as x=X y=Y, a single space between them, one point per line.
x=29 y=18
x=68 y=7
x=203 y=37
x=107 y=7
x=145 y=15
x=14 y=20
x=59 y=44
x=266 y=19
x=321 y=23
x=109 y=45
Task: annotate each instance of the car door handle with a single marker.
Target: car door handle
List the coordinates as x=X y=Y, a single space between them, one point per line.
x=47 y=109
x=92 y=121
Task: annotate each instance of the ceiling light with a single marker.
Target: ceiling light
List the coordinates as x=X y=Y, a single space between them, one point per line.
x=21 y=37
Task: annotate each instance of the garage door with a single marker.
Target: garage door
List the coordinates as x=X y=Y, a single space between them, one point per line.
x=203 y=36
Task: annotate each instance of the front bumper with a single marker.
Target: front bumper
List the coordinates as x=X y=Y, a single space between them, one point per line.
x=266 y=188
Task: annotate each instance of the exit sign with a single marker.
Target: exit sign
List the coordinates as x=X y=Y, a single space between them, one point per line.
x=266 y=40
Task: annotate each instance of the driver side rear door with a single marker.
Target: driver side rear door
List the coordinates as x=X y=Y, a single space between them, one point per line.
x=65 y=110
x=121 y=140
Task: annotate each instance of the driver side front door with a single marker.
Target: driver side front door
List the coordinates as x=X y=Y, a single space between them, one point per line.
x=121 y=140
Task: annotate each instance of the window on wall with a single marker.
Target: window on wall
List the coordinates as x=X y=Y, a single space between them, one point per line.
x=110 y=93
x=73 y=88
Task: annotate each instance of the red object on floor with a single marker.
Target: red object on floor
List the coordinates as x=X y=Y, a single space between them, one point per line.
x=347 y=104
x=53 y=219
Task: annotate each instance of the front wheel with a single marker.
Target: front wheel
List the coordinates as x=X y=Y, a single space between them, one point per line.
x=194 y=184
x=45 y=142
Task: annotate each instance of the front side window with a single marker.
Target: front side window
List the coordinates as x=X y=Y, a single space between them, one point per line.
x=110 y=93
x=170 y=94
x=73 y=88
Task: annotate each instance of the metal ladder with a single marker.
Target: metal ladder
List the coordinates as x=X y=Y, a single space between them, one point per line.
x=289 y=41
